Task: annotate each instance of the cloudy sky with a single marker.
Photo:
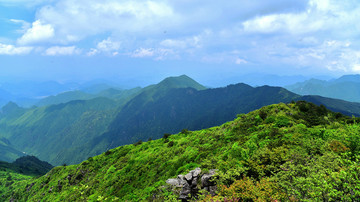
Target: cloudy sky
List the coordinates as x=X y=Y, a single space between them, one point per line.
x=87 y=39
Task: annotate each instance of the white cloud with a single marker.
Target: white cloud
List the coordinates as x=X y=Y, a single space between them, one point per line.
x=320 y=15
x=189 y=42
x=65 y=50
x=83 y=18
x=321 y=34
x=39 y=32
x=6 y=49
x=240 y=61
x=108 y=45
x=156 y=54
x=143 y=52
x=92 y=52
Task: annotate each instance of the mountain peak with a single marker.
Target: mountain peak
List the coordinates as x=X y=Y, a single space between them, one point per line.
x=182 y=81
x=10 y=107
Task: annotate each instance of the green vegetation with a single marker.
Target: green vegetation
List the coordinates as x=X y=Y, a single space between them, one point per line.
x=51 y=130
x=293 y=152
x=9 y=180
x=24 y=168
x=71 y=132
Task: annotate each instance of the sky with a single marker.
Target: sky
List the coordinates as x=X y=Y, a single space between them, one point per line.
x=151 y=39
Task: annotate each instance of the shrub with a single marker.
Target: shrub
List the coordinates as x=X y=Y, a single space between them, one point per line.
x=166 y=135
x=170 y=144
x=185 y=131
x=138 y=143
x=262 y=114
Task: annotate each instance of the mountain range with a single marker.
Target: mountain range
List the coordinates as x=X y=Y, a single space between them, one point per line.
x=71 y=132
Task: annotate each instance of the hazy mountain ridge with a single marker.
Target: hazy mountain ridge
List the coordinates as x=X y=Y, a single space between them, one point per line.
x=346 y=87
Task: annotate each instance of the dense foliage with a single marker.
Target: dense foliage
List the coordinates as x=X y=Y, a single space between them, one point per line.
x=24 y=168
x=296 y=152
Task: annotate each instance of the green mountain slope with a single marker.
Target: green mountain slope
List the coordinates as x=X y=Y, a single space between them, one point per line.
x=346 y=88
x=7 y=152
x=344 y=107
x=63 y=133
x=287 y=152
x=65 y=97
x=141 y=119
x=71 y=132
x=47 y=131
x=115 y=94
x=188 y=108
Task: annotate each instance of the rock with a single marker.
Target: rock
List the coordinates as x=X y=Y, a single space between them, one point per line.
x=206 y=179
x=188 y=176
x=196 y=172
x=182 y=180
x=174 y=182
x=207 y=183
x=185 y=193
x=189 y=184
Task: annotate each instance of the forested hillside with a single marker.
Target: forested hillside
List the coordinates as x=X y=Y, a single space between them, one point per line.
x=282 y=152
x=73 y=131
x=47 y=131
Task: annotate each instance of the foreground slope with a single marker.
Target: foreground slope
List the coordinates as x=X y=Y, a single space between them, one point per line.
x=23 y=168
x=295 y=151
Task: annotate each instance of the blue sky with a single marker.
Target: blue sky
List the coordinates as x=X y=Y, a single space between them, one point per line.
x=88 y=39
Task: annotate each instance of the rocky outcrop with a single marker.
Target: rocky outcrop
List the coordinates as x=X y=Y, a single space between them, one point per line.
x=192 y=182
x=207 y=183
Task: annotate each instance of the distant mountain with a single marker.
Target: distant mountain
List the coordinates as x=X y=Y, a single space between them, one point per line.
x=189 y=108
x=65 y=97
x=258 y=80
x=346 y=88
x=59 y=133
x=95 y=88
x=29 y=93
x=115 y=94
x=348 y=78
x=73 y=131
x=47 y=131
x=344 y=107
